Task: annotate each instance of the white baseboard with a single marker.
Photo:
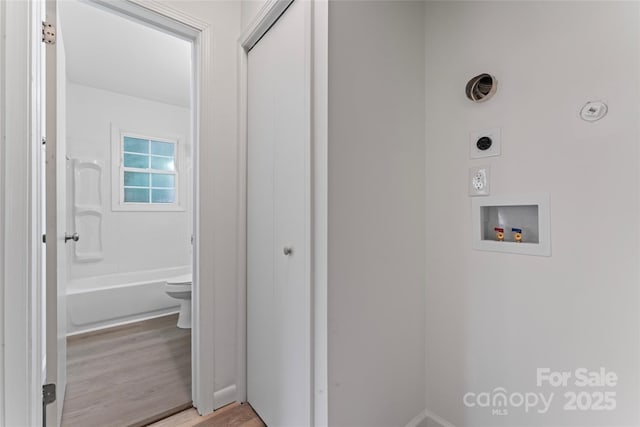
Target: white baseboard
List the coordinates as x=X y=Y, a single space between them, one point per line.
x=418 y=419
x=427 y=415
x=126 y=322
x=224 y=397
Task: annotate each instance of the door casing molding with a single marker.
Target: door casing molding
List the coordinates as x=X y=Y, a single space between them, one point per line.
x=199 y=32
x=20 y=226
x=22 y=406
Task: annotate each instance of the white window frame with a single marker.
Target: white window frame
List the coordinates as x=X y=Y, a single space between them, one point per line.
x=118 y=170
x=150 y=170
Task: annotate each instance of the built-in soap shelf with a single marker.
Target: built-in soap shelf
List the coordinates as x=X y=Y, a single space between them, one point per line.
x=88 y=209
x=514 y=224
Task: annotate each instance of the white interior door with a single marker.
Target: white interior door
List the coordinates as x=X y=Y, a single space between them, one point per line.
x=56 y=220
x=278 y=220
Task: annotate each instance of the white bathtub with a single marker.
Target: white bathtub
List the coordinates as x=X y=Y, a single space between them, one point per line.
x=111 y=300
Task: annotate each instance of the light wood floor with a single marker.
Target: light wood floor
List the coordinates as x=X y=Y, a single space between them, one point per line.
x=129 y=375
x=234 y=415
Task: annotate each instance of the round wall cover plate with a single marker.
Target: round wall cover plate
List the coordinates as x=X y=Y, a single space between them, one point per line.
x=593 y=111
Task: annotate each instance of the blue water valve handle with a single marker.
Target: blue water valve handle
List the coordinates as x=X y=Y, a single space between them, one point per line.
x=517 y=234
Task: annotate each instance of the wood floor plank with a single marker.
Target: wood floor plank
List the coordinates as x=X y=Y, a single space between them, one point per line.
x=233 y=415
x=182 y=419
x=129 y=375
x=238 y=416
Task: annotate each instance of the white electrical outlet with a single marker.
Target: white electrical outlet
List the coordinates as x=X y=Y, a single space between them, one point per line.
x=479 y=181
x=485 y=143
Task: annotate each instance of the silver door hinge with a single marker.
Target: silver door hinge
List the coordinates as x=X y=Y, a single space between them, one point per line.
x=48 y=394
x=48 y=33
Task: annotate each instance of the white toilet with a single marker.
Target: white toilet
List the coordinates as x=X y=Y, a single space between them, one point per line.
x=180 y=288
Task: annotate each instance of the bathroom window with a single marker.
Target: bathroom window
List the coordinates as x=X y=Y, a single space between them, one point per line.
x=148 y=173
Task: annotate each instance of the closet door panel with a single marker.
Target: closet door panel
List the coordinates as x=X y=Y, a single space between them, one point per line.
x=279 y=319
x=260 y=232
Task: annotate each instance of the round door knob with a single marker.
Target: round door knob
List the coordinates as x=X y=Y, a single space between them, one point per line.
x=288 y=250
x=75 y=237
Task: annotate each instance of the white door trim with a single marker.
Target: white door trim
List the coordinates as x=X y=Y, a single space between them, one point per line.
x=21 y=373
x=203 y=332
x=318 y=131
x=20 y=230
x=320 y=207
x=264 y=19
x=193 y=29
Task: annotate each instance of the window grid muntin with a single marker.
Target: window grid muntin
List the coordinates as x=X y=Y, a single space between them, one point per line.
x=150 y=172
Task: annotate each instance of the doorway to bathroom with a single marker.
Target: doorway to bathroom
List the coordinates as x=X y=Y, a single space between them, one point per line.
x=126 y=160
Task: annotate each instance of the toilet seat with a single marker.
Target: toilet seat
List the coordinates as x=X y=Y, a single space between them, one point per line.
x=178 y=287
x=179 y=283
x=185 y=279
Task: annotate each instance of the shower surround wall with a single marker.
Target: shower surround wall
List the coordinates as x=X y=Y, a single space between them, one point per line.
x=139 y=249
x=493 y=319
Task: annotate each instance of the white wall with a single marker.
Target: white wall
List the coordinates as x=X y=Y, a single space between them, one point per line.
x=493 y=318
x=376 y=213
x=131 y=241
